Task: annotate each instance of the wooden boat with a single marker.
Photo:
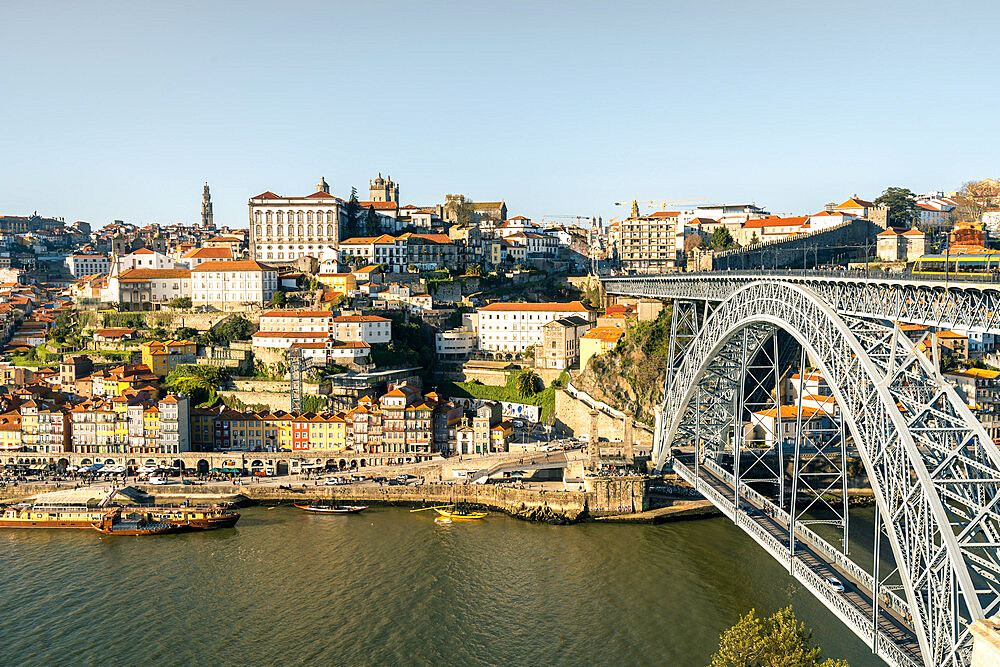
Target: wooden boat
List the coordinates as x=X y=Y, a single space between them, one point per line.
x=333 y=509
x=114 y=523
x=456 y=514
x=26 y=515
x=195 y=517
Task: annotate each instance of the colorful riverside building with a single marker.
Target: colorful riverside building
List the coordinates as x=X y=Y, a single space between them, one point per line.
x=131 y=424
x=401 y=424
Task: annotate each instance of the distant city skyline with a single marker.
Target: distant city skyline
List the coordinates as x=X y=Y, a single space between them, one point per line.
x=129 y=109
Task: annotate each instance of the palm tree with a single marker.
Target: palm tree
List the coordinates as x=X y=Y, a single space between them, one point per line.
x=527 y=383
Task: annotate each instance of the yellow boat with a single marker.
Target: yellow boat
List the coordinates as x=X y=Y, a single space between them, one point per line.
x=460 y=515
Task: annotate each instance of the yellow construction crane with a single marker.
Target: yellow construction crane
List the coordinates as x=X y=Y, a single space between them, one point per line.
x=662 y=203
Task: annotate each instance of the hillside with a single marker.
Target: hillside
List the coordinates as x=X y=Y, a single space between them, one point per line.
x=630 y=377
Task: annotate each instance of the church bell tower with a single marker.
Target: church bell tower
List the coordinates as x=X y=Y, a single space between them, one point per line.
x=206 y=208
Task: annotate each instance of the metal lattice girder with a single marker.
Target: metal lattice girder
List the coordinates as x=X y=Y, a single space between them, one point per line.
x=935 y=472
x=969 y=306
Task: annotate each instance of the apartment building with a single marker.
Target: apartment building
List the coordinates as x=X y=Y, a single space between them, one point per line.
x=297 y=320
x=370 y=329
x=232 y=285
x=649 y=243
x=513 y=327
x=560 y=347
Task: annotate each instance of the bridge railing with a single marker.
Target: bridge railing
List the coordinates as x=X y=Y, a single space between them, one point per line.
x=808 y=536
x=870 y=274
x=861 y=622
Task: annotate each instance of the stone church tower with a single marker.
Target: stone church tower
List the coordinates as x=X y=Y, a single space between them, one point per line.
x=383 y=189
x=323 y=186
x=206 y=208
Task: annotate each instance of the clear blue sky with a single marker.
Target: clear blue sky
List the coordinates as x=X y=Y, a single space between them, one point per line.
x=122 y=110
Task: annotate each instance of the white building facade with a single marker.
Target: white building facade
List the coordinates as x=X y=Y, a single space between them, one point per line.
x=513 y=327
x=232 y=285
x=286 y=228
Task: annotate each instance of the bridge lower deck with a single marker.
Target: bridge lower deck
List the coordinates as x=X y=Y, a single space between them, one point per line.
x=891 y=626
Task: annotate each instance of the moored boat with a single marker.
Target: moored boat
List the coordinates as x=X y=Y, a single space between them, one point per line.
x=333 y=509
x=196 y=517
x=459 y=514
x=117 y=523
x=28 y=515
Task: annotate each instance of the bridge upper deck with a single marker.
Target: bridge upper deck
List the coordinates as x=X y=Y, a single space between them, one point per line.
x=967 y=303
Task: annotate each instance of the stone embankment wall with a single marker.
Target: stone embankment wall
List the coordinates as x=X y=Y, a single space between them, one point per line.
x=822 y=245
x=271 y=400
x=610 y=496
x=573 y=415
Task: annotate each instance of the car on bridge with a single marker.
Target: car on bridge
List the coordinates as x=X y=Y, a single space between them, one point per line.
x=836 y=584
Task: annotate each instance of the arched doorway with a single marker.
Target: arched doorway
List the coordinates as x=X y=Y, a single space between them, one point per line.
x=354 y=464
x=342 y=464
x=62 y=464
x=203 y=466
x=282 y=468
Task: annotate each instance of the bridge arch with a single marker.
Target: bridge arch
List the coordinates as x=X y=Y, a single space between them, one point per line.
x=934 y=470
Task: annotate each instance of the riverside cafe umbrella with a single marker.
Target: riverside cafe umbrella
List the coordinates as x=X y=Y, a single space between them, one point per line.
x=227 y=471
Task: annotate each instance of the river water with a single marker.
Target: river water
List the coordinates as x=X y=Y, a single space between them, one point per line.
x=388 y=586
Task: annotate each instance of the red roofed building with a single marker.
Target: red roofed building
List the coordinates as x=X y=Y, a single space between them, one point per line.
x=283 y=229
x=771 y=228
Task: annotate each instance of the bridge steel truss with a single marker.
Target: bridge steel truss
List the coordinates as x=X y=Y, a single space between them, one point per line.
x=973 y=307
x=934 y=470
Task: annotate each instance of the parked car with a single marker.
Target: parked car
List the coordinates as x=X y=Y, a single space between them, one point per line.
x=334 y=481
x=836 y=584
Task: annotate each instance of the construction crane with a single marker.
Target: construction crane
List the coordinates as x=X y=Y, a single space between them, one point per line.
x=296 y=369
x=578 y=218
x=662 y=203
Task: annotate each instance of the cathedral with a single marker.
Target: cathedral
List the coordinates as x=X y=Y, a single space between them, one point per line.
x=383 y=189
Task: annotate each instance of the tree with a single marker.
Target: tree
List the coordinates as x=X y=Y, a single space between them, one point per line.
x=465 y=212
x=972 y=200
x=474 y=269
x=776 y=641
x=528 y=383
x=180 y=302
x=158 y=333
x=278 y=298
x=754 y=240
x=237 y=328
x=691 y=241
x=358 y=261
x=186 y=333
x=721 y=239
x=352 y=220
x=372 y=225
x=902 y=204
x=411 y=268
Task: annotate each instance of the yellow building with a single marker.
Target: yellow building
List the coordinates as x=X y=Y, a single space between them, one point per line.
x=162 y=357
x=328 y=433
x=343 y=283
x=598 y=341
x=151 y=427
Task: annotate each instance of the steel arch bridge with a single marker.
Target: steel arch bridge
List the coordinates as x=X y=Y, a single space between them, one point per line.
x=933 y=469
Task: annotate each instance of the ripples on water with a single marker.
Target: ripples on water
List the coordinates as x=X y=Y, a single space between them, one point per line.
x=391 y=587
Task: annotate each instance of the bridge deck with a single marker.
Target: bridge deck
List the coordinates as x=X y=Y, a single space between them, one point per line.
x=891 y=626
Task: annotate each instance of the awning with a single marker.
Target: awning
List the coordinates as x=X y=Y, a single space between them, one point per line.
x=216 y=470
x=232 y=471
x=310 y=466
